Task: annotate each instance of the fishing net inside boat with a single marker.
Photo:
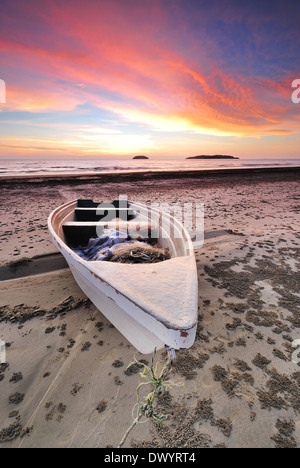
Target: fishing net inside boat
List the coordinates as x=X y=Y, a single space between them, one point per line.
x=119 y=247
x=137 y=253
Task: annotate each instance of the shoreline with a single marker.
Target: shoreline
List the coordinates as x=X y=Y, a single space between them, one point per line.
x=132 y=176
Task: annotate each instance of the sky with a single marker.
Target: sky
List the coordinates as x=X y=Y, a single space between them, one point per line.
x=163 y=78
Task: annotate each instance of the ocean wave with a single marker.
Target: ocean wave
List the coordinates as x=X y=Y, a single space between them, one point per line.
x=265 y=165
x=19 y=167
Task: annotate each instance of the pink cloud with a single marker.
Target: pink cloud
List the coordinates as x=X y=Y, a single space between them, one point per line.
x=121 y=55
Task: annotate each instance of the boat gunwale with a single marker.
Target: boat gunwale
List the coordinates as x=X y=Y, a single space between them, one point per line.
x=187 y=240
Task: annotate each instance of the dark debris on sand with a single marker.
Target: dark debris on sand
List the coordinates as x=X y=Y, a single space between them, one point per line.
x=182 y=427
x=22 y=313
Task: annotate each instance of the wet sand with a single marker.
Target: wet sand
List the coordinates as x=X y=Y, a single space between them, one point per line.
x=64 y=383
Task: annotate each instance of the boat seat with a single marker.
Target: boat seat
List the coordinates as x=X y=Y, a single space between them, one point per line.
x=109 y=213
x=78 y=233
x=82 y=203
x=87 y=204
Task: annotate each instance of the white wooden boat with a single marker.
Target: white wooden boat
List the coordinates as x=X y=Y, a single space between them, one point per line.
x=153 y=304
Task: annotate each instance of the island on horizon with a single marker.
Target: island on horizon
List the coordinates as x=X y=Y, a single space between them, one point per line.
x=216 y=156
x=140 y=157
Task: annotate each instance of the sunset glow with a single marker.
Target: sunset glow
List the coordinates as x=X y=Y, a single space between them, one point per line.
x=174 y=78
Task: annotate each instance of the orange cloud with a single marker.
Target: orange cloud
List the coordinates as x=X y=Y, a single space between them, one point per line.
x=33 y=99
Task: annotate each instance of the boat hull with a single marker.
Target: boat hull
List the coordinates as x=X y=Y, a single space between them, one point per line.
x=133 y=331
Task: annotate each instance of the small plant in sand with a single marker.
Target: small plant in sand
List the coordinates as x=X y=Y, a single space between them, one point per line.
x=157 y=377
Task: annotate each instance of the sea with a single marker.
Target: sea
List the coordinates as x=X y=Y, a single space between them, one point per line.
x=15 y=167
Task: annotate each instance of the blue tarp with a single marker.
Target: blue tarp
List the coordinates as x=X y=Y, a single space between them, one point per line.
x=103 y=247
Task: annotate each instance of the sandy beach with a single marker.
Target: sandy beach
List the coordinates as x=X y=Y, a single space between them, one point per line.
x=64 y=382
